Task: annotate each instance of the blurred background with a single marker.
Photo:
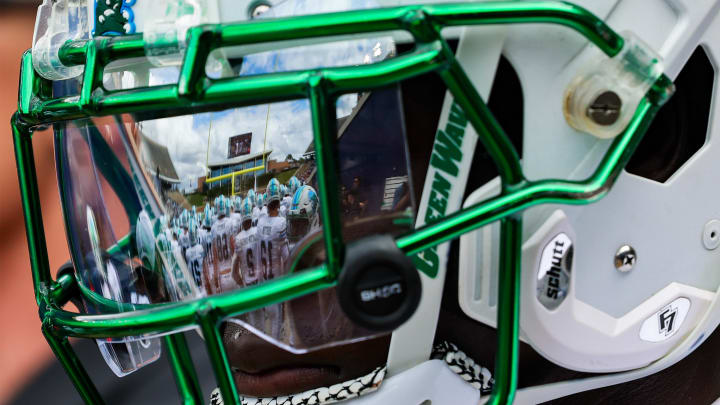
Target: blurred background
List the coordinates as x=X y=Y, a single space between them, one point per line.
x=29 y=372
x=23 y=350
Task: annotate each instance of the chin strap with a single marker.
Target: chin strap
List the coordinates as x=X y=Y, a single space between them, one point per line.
x=323 y=395
x=462 y=365
x=465 y=367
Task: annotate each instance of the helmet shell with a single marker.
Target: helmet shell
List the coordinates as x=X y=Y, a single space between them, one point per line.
x=273 y=191
x=193 y=232
x=293 y=184
x=246 y=209
x=305 y=203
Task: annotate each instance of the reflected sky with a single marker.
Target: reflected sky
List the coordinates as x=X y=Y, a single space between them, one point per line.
x=285 y=128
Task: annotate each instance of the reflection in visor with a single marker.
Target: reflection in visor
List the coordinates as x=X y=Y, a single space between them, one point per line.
x=174 y=209
x=140 y=236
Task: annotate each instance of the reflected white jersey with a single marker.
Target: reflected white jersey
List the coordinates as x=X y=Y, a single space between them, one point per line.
x=175 y=246
x=273 y=245
x=184 y=240
x=246 y=256
x=194 y=258
x=285 y=202
x=222 y=246
x=205 y=239
x=237 y=222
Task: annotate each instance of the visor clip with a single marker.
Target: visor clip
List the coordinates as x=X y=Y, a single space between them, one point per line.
x=601 y=100
x=379 y=287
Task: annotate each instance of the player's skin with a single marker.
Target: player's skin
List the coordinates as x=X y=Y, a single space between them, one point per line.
x=273 y=208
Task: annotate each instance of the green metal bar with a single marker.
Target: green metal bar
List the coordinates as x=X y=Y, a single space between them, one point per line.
x=378 y=20
x=92 y=77
x=174 y=317
x=493 y=137
x=425 y=59
x=116 y=47
x=195 y=92
x=34 y=231
x=534 y=193
x=183 y=369
x=208 y=320
x=322 y=109
x=31 y=85
x=73 y=367
x=64 y=288
x=236 y=92
x=508 y=312
x=305 y=27
x=528 y=12
x=192 y=76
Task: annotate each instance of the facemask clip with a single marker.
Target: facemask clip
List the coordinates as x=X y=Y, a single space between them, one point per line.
x=602 y=99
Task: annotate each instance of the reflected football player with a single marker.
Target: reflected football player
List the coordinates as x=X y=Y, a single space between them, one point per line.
x=274 y=251
x=222 y=235
x=235 y=214
x=303 y=216
x=195 y=254
x=245 y=267
x=184 y=238
x=272 y=230
x=286 y=200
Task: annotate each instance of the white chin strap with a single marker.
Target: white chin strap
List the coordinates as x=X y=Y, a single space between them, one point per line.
x=435 y=380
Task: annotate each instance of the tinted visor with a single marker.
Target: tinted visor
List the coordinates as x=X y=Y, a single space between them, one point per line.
x=136 y=187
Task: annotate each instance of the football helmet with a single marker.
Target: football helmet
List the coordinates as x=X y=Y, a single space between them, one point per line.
x=570 y=230
x=293 y=184
x=237 y=203
x=207 y=216
x=193 y=232
x=184 y=221
x=222 y=206
x=273 y=192
x=251 y=196
x=246 y=209
x=303 y=214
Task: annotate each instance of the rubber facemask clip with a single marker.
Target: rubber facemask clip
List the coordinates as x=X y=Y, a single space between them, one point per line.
x=379 y=287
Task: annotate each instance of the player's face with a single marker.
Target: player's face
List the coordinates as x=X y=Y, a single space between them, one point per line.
x=247 y=224
x=271 y=371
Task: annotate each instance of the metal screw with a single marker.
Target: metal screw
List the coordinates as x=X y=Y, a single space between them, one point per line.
x=625 y=258
x=259 y=9
x=605 y=110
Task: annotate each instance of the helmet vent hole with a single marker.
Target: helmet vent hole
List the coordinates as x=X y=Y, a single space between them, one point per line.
x=680 y=128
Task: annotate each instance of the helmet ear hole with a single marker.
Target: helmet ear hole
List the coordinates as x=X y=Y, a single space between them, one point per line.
x=680 y=128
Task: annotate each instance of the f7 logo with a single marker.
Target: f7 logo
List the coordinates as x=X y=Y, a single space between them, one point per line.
x=666 y=320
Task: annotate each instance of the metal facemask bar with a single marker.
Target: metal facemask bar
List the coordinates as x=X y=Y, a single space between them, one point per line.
x=195 y=92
